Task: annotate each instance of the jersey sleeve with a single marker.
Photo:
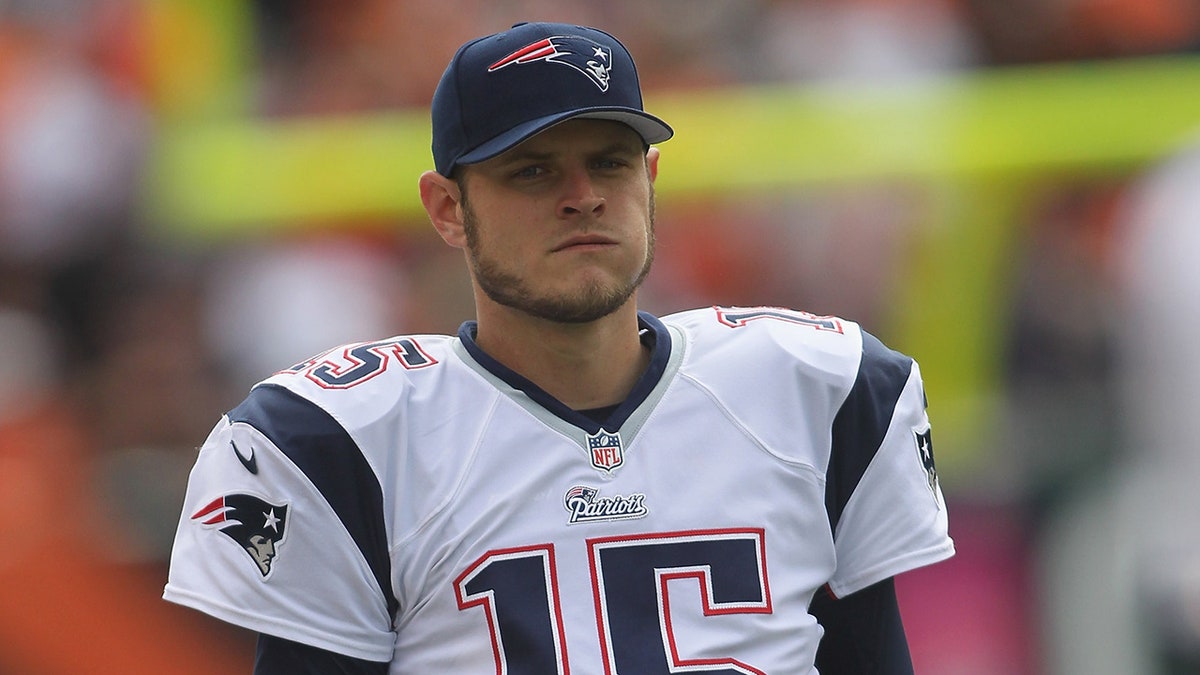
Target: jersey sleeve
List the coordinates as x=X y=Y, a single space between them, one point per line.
x=282 y=530
x=885 y=505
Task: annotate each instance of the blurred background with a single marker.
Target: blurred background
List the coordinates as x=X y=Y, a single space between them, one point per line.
x=196 y=193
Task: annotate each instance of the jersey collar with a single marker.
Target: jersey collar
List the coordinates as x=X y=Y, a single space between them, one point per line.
x=652 y=332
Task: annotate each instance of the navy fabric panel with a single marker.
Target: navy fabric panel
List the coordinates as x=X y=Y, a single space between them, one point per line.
x=324 y=451
x=862 y=421
x=276 y=656
x=864 y=632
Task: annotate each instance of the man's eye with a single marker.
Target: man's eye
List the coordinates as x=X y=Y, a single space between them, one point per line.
x=617 y=162
x=529 y=172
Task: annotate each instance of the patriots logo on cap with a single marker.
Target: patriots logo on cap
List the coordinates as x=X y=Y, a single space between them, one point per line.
x=256 y=525
x=586 y=56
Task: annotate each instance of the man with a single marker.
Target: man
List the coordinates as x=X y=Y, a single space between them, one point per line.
x=569 y=485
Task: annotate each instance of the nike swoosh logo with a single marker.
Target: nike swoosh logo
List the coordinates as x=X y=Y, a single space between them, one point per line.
x=250 y=463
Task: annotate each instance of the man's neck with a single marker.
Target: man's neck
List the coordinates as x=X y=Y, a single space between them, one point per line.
x=584 y=366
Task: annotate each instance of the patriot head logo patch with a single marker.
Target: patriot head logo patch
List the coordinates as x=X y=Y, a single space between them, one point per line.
x=591 y=58
x=256 y=525
x=925 y=453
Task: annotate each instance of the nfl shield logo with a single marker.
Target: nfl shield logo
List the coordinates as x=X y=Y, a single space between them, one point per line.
x=605 y=450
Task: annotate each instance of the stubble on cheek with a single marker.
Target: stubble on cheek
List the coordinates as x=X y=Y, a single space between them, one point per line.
x=504 y=285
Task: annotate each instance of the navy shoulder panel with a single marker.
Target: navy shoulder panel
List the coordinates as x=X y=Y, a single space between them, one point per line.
x=863 y=420
x=320 y=447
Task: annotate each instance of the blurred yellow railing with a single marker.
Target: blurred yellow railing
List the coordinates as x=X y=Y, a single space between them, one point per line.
x=216 y=177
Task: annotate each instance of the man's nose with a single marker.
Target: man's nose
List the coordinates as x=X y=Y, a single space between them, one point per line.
x=580 y=196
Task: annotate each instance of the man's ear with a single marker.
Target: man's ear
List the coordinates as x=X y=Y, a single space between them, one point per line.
x=442 y=198
x=652 y=155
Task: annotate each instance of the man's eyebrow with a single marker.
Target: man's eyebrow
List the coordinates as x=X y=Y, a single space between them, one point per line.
x=618 y=147
x=518 y=155
x=521 y=155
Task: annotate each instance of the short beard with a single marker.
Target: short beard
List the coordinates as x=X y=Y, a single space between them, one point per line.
x=503 y=287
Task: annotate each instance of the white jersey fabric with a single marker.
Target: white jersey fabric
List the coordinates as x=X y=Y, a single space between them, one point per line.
x=412 y=500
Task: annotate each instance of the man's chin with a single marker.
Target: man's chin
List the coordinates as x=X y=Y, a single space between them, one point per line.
x=579 y=309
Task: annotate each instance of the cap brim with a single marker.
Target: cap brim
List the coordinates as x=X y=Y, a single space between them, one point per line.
x=650 y=128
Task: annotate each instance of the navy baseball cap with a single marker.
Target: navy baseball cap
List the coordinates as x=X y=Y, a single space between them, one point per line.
x=502 y=89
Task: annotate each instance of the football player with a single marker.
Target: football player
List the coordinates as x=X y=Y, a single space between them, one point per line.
x=569 y=484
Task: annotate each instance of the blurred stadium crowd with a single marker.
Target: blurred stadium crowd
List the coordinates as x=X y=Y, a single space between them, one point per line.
x=120 y=345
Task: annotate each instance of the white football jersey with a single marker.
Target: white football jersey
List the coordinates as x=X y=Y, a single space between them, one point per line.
x=412 y=500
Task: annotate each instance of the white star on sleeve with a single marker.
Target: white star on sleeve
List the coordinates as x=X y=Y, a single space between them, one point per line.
x=271 y=522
